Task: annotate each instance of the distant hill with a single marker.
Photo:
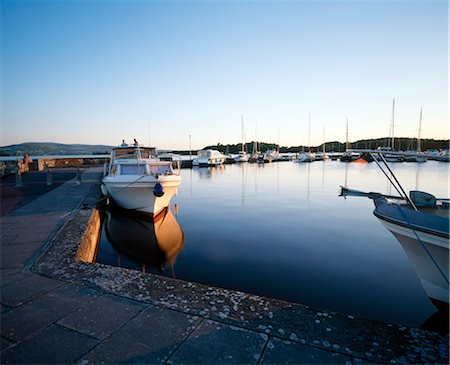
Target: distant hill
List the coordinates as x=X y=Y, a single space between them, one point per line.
x=50 y=148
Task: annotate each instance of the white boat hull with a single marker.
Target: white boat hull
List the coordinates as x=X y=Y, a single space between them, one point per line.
x=305 y=157
x=427 y=255
x=241 y=158
x=139 y=195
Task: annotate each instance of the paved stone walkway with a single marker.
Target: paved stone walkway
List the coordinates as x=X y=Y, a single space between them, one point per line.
x=82 y=313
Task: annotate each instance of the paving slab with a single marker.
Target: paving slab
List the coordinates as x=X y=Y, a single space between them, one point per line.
x=17 y=293
x=216 y=343
x=102 y=316
x=54 y=345
x=8 y=237
x=287 y=352
x=4 y=344
x=22 y=322
x=150 y=338
x=13 y=275
x=18 y=255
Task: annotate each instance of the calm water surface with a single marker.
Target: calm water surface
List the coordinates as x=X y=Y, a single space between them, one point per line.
x=280 y=230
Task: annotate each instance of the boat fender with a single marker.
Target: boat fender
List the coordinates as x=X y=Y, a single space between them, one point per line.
x=158 y=190
x=104 y=190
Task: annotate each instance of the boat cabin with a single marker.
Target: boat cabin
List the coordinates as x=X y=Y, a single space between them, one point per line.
x=133 y=152
x=136 y=160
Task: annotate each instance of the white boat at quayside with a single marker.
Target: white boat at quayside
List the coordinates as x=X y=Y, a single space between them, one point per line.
x=209 y=158
x=137 y=180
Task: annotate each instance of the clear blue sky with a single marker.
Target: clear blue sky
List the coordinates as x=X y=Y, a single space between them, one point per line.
x=99 y=71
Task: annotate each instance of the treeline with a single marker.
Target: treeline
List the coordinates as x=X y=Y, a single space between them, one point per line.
x=402 y=144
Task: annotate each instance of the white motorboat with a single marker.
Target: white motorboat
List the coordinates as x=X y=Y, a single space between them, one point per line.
x=241 y=157
x=137 y=180
x=420 y=222
x=305 y=157
x=209 y=158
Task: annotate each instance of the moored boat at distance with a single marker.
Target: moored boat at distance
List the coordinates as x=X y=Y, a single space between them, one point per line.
x=209 y=158
x=305 y=157
x=420 y=222
x=241 y=157
x=137 y=180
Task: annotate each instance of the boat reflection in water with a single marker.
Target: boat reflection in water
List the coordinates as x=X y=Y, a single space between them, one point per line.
x=142 y=241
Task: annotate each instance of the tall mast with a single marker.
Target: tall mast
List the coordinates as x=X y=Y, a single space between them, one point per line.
x=346 y=136
x=323 y=146
x=393 y=113
x=149 y=132
x=242 y=133
x=278 y=141
x=420 y=127
x=309 y=132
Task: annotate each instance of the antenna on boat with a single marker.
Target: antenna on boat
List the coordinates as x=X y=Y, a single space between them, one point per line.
x=149 y=132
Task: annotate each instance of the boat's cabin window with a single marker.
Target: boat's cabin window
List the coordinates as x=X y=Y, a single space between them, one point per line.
x=126 y=169
x=159 y=169
x=203 y=154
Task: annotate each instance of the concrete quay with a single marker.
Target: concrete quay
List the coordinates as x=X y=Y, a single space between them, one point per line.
x=57 y=307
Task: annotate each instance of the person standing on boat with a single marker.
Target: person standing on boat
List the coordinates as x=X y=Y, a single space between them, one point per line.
x=123 y=143
x=136 y=142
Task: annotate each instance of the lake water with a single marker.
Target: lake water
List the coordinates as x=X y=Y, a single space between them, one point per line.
x=280 y=230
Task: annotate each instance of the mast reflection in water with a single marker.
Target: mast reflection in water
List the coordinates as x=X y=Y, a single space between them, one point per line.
x=140 y=241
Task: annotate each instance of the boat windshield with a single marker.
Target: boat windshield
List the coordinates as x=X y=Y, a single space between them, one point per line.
x=131 y=169
x=149 y=169
x=163 y=169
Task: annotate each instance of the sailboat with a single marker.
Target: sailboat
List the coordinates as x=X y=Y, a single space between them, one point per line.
x=242 y=156
x=307 y=156
x=256 y=155
x=347 y=156
x=321 y=156
x=418 y=157
x=391 y=139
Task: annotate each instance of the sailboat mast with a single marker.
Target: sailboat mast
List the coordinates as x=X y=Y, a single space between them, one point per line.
x=278 y=141
x=242 y=133
x=393 y=113
x=323 y=146
x=309 y=132
x=346 y=136
x=420 y=127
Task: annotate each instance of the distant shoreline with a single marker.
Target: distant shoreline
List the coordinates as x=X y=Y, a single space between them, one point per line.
x=52 y=148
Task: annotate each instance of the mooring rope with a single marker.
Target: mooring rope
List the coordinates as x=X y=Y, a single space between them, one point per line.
x=126 y=186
